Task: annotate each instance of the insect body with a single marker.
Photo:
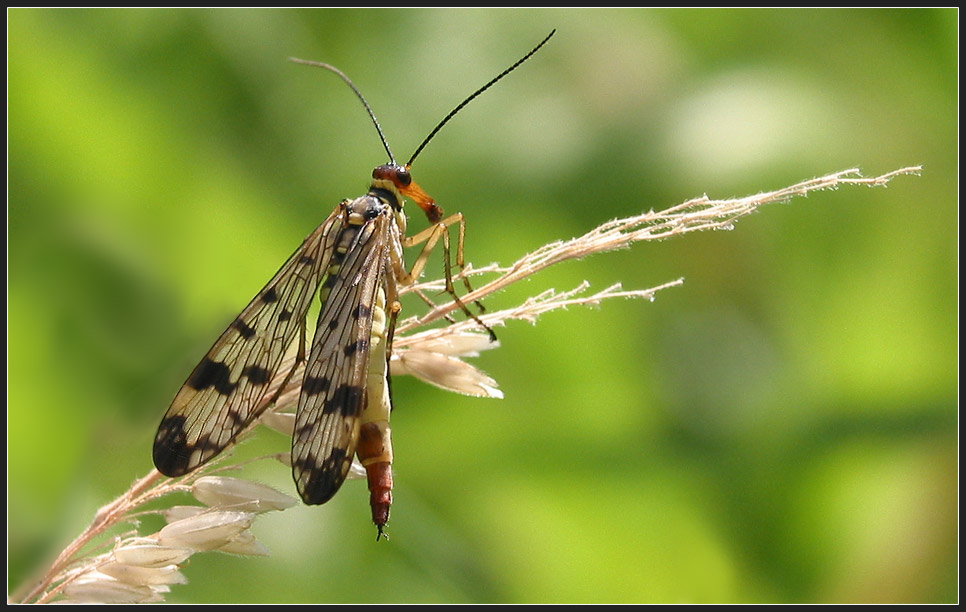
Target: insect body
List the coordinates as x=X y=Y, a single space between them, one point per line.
x=355 y=261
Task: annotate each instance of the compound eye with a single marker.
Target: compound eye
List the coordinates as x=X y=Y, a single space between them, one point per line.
x=403 y=178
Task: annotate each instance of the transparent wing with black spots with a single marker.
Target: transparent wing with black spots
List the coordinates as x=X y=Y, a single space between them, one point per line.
x=334 y=391
x=220 y=397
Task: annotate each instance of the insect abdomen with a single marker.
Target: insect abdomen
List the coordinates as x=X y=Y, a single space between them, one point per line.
x=375 y=436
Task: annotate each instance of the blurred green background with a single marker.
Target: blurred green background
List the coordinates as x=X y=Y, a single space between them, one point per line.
x=782 y=428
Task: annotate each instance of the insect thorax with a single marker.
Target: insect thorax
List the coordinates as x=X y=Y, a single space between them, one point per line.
x=386 y=192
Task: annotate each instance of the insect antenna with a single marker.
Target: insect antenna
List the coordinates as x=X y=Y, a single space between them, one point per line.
x=362 y=99
x=434 y=212
x=459 y=254
x=470 y=98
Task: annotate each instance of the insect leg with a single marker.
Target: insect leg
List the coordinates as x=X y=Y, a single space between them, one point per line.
x=431 y=236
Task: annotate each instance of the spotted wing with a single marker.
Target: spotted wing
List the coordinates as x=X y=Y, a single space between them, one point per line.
x=222 y=395
x=334 y=389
